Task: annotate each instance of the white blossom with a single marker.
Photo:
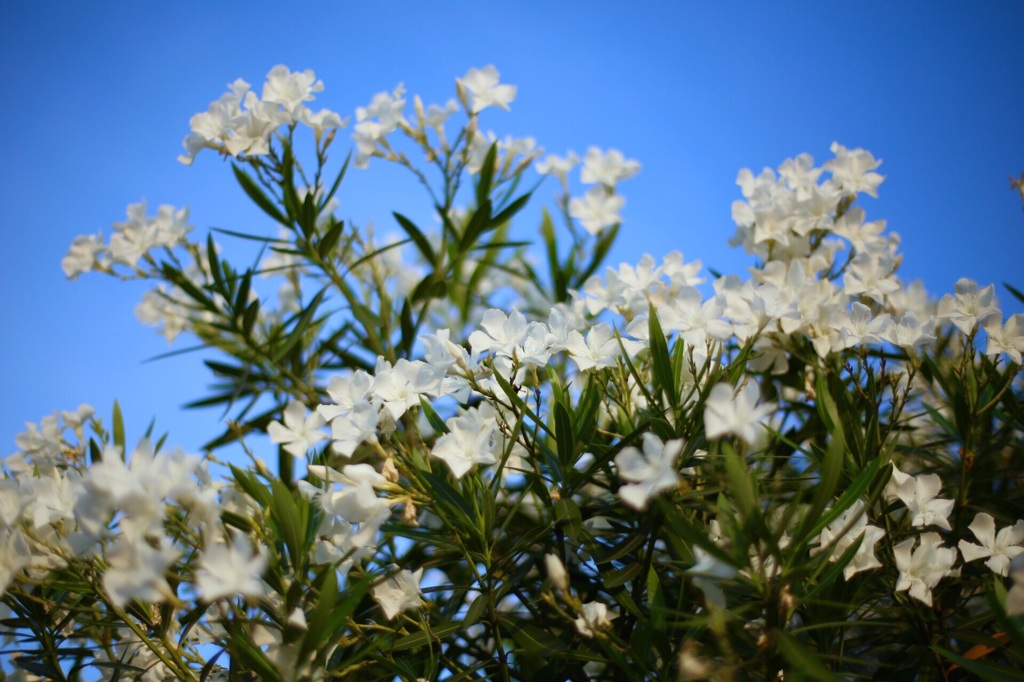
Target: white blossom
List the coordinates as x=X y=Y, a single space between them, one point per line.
x=400 y=592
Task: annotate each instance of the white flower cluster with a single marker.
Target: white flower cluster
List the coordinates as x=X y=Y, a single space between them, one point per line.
x=241 y=123
x=131 y=240
x=117 y=508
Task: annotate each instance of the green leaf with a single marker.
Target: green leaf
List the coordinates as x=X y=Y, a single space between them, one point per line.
x=564 y=436
x=251 y=656
x=801 y=658
x=740 y=481
x=486 y=175
x=330 y=239
x=302 y=323
x=621 y=576
x=656 y=598
x=242 y=295
x=558 y=280
x=118 y=429
x=257 y=195
x=430 y=287
x=567 y=514
x=421 y=638
x=478 y=224
x=252 y=313
x=433 y=417
x=662 y=363
x=985 y=670
x=475 y=610
x=451 y=499
x=337 y=182
x=291 y=515
x=418 y=238
x=506 y=214
x=213 y=262
x=604 y=245
x=1016 y=292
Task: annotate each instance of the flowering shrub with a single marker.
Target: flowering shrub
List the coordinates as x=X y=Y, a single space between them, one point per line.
x=499 y=465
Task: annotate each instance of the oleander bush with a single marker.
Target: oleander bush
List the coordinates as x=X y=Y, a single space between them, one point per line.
x=495 y=459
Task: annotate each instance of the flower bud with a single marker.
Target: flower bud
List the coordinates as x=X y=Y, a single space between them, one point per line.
x=556 y=572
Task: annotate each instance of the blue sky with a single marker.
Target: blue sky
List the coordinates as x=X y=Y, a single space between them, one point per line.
x=98 y=97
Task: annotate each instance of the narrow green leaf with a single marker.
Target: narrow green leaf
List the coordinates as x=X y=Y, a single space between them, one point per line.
x=252 y=313
x=662 y=363
x=985 y=670
x=564 y=436
x=740 y=481
x=418 y=238
x=330 y=239
x=486 y=175
x=418 y=639
x=567 y=514
x=433 y=417
x=118 y=429
x=257 y=195
x=475 y=610
x=213 y=262
x=1015 y=291
x=287 y=513
x=453 y=500
x=621 y=576
x=478 y=224
x=801 y=658
x=604 y=245
x=337 y=182
x=303 y=320
x=509 y=211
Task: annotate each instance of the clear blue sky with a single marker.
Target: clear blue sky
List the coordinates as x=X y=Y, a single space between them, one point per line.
x=97 y=98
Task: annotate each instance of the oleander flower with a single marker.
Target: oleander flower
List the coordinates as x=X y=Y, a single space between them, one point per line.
x=923 y=568
x=482 y=85
x=227 y=570
x=999 y=548
x=650 y=472
x=738 y=414
x=594 y=616
x=300 y=431
x=400 y=592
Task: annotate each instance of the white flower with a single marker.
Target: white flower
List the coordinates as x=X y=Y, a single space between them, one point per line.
x=15 y=554
x=594 y=616
x=1008 y=338
x=607 y=168
x=470 y=441
x=918 y=493
x=229 y=570
x=398 y=593
x=351 y=429
x=865 y=558
x=651 y=472
x=724 y=413
x=597 y=209
x=300 y=431
x=969 y=305
x=909 y=331
x=290 y=89
x=1000 y=549
x=136 y=571
x=483 y=85
x=557 y=165
x=83 y=256
x=1015 y=595
x=600 y=348
x=707 y=573
x=853 y=169
x=556 y=572
x=922 y=570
